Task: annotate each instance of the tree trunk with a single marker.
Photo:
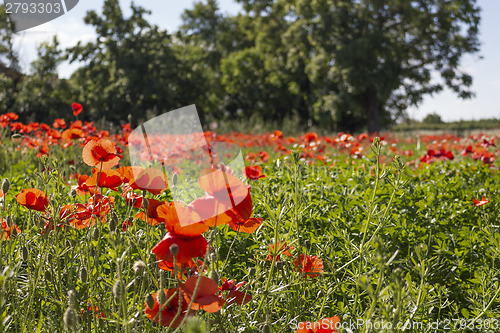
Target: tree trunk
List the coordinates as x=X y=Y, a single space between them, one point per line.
x=372 y=109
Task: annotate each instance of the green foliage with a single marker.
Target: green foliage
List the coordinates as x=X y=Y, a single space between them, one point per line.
x=338 y=64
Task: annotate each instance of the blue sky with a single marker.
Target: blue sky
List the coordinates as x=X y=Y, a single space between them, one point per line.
x=166 y=14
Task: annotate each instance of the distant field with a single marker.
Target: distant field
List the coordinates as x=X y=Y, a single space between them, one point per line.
x=335 y=231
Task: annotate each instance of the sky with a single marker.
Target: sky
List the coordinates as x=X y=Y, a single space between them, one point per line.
x=484 y=67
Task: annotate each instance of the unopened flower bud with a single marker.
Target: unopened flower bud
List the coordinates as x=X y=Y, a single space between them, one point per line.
x=174 y=249
x=162 y=298
x=251 y=271
x=113 y=223
x=71 y=298
x=24 y=253
x=150 y=301
x=139 y=267
x=117 y=290
x=83 y=275
x=95 y=234
x=174 y=178
x=70 y=318
x=16 y=136
x=5 y=185
x=266 y=329
x=145 y=203
x=72 y=192
x=48 y=276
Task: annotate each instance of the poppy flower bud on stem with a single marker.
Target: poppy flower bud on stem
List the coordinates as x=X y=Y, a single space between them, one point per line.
x=95 y=234
x=162 y=298
x=174 y=178
x=72 y=193
x=139 y=267
x=48 y=275
x=70 y=318
x=24 y=253
x=117 y=290
x=83 y=275
x=174 y=249
x=145 y=203
x=114 y=222
x=5 y=185
x=71 y=298
x=150 y=301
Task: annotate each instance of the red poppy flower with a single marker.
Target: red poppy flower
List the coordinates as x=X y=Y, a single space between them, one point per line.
x=128 y=173
x=152 y=214
x=189 y=247
x=72 y=133
x=107 y=178
x=181 y=219
x=247 y=226
x=101 y=152
x=77 y=108
x=81 y=188
x=311 y=136
x=77 y=215
x=264 y=156
x=6 y=231
x=254 y=172
x=282 y=249
x=312 y=266
x=235 y=295
x=232 y=198
x=478 y=203
x=205 y=296
x=326 y=325
x=33 y=198
x=59 y=123
x=170 y=309
x=152 y=180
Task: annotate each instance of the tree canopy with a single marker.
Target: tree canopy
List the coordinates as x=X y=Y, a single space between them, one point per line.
x=340 y=64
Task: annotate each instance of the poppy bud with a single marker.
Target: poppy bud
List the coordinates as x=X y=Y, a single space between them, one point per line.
x=70 y=319
x=71 y=298
x=129 y=118
x=5 y=185
x=150 y=301
x=72 y=193
x=145 y=203
x=95 y=234
x=49 y=257
x=114 y=222
x=266 y=329
x=139 y=267
x=83 y=275
x=16 y=136
x=174 y=249
x=251 y=271
x=24 y=253
x=117 y=290
x=174 y=178
x=162 y=298
x=48 y=276
x=307 y=242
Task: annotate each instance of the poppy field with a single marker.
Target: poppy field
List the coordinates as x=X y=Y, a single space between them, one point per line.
x=338 y=233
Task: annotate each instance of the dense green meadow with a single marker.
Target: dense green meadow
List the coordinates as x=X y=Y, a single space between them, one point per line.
x=382 y=232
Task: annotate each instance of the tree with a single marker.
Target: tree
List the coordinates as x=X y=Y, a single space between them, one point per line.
x=432 y=118
x=369 y=60
x=43 y=95
x=131 y=67
x=10 y=76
